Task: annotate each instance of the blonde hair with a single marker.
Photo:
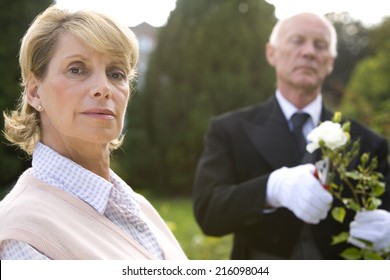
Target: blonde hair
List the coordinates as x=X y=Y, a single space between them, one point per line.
x=98 y=31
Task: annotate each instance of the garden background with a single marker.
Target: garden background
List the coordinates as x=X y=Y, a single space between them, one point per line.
x=209 y=58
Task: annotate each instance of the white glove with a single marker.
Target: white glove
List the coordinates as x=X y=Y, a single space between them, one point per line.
x=297 y=189
x=373 y=226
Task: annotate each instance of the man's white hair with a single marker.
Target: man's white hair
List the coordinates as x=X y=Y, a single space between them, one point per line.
x=274 y=37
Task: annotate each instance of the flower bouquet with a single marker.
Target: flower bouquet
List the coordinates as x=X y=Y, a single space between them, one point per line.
x=364 y=183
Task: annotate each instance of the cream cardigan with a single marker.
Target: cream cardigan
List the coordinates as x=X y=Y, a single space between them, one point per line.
x=63 y=227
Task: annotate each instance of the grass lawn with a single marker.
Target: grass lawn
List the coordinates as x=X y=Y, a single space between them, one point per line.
x=179 y=217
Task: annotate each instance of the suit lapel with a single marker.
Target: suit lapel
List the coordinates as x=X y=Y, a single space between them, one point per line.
x=270 y=134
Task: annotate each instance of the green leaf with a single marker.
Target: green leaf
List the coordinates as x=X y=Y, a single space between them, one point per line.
x=351 y=204
x=338 y=213
x=336 y=117
x=378 y=189
x=333 y=186
x=364 y=158
x=346 y=126
x=368 y=255
x=340 y=238
x=377 y=202
x=352 y=254
x=354 y=175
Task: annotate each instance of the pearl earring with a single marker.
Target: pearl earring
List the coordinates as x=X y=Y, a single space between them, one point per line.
x=39 y=107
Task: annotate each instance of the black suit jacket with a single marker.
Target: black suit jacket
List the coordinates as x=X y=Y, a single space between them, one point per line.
x=241 y=149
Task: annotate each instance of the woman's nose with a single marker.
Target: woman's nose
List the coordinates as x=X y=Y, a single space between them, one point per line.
x=104 y=93
x=101 y=88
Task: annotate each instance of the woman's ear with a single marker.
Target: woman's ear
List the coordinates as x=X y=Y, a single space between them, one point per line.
x=31 y=91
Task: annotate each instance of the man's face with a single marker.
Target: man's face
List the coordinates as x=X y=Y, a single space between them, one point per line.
x=302 y=57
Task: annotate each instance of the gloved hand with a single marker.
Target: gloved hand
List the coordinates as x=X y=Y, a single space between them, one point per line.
x=373 y=226
x=297 y=189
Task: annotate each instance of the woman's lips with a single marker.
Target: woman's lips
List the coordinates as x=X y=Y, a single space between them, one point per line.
x=100 y=113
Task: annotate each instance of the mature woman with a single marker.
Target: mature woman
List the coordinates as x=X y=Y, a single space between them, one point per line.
x=76 y=69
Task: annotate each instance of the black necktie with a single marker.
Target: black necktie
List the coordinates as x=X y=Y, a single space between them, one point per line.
x=298 y=120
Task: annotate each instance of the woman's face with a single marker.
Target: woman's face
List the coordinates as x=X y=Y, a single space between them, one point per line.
x=83 y=94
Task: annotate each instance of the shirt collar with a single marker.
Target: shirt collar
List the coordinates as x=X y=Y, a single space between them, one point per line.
x=53 y=168
x=313 y=109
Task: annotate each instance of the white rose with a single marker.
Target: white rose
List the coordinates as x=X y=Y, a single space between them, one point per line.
x=331 y=133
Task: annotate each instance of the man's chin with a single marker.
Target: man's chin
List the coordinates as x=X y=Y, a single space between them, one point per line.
x=307 y=82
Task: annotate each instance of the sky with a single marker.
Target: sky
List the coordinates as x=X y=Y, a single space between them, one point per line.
x=156 y=12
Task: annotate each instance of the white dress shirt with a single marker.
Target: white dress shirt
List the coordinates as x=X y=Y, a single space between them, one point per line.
x=313 y=109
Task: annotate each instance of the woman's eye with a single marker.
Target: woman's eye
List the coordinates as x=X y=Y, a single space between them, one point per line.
x=117 y=75
x=75 y=70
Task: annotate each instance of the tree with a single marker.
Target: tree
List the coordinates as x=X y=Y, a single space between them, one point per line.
x=378 y=35
x=367 y=97
x=353 y=40
x=15 y=17
x=209 y=59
